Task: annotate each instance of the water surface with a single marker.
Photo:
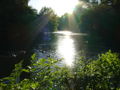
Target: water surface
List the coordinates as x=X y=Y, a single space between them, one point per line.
x=64 y=45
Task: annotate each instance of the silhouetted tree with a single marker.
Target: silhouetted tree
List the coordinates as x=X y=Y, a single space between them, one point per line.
x=15 y=32
x=98 y=21
x=49 y=18
x=15 y=16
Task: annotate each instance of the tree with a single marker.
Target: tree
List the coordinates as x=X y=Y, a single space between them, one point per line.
x=15 y=32
x=64 y=22
x=99 y=23
x=46 y=11
x=49 y=18
x=15 y=16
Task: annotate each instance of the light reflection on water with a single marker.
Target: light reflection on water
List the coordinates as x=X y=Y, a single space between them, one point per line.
x=66 y=48
x=67 y=45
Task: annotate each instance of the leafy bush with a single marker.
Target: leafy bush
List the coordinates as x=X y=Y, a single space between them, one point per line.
x=102 y=73
x=45 y=74
x=87 y=74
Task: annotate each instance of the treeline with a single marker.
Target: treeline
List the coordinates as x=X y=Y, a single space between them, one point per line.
x=16 y=17
x=99 y=20
x=20 y=24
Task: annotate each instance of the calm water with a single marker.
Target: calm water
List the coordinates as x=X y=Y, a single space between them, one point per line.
x=66 y=45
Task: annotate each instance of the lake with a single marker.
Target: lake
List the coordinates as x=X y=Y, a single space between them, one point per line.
x=66 y=45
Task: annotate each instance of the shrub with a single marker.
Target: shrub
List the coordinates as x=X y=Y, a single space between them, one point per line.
x=101 y=73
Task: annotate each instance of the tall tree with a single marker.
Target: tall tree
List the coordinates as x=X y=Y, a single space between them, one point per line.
x=49 y=18
x=15 y=17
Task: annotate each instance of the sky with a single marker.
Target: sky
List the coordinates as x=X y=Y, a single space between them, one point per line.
x=59 y=6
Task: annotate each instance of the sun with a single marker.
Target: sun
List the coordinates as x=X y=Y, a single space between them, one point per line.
x=64 y=6
x=59 y=6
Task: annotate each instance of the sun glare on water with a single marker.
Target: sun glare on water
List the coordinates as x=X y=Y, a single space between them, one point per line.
x=66 y=48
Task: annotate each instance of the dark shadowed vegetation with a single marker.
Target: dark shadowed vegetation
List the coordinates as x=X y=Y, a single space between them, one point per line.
x=88 y=74
x=20 y=25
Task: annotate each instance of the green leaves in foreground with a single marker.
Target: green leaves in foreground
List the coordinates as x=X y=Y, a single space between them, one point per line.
x=101 y=73
x=45 y=74
x=48 y=74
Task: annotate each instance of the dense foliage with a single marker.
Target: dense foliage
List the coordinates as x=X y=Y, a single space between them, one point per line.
x=20 y=24
x=16 y=17
x=101 y=73
x=99 y=23
x=64 y=22
x=50 y=19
